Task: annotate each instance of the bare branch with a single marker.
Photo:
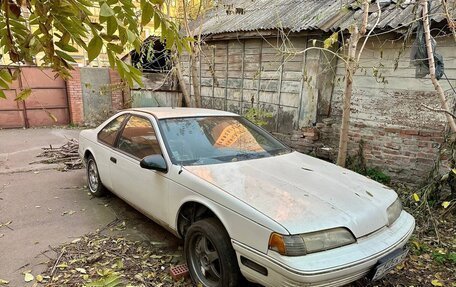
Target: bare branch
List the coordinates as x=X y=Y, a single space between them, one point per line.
x=438 y=110
x=322 y=49
x=370 y=32
x=451 y=22
x=430 y=52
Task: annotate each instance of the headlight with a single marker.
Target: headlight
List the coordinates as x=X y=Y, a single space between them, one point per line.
x=394 y=211
x=302 y=244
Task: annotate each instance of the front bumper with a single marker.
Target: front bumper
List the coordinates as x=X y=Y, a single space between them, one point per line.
x=334 y=267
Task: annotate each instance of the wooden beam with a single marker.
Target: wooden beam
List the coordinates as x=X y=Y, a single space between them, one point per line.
x=280 y=92
x=226 y=76
x=213 y=74
x=241 y=104
x=301 y=90
x=259 y=73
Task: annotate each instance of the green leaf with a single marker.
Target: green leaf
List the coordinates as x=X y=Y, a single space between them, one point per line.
x=111 y=58
x=94 y=48
x=5 y=75
x=416 y=197
x=131 y=36
x=445 y=204
x=111 y=25
x=2 y=95
x=4 y=84
x=157 y=21
x=66 y=47
x=147 y=13
x=65 y=56
x=23 y=95
x=115 y=48
x=106 y=11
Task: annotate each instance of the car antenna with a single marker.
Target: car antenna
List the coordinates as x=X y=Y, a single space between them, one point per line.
x=181 y=169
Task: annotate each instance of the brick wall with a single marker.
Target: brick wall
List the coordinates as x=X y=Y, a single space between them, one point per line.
x=117 y=92
x=74 y=91
x=76 y=95
x=401 y=137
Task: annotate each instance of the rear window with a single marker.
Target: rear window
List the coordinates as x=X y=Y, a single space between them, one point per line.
x=109 y=133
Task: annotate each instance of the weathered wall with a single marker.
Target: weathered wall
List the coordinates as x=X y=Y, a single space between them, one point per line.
x=159 y=90
x=275 y=76
x=400 y=136
x=94 y=94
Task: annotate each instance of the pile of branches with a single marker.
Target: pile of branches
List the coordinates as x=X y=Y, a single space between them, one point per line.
x=66 y=154
x=99 y=260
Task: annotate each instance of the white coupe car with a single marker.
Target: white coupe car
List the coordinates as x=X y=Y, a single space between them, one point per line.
x=246 y=205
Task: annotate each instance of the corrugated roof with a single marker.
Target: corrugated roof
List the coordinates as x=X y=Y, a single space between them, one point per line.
x=299 y=15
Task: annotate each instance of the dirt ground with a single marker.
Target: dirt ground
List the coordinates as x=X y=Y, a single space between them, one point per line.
x=41 y=207
x=52 y=229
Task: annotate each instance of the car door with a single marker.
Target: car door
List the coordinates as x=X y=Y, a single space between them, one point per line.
x=102 y=151
x=146 y=190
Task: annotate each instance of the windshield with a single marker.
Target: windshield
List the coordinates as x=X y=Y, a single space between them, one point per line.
x=211 y=140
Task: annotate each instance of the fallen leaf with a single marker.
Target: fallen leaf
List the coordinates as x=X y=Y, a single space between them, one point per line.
x=445 y=204
x=3 y=282
x=81 y=270
x=76 y=240
x=63 y=265
x=416 y=197
x=436 y=282
x=39 y=278
x=28 y=277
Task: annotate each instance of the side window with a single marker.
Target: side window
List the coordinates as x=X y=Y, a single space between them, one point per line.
x=109 y=133
x=138 y=138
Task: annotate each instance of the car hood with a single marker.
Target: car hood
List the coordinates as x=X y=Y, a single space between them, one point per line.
x=302 y=193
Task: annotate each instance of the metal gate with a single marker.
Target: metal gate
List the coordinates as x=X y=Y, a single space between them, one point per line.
x=46 y=106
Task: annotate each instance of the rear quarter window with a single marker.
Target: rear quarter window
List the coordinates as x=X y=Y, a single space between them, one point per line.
x=109 y=133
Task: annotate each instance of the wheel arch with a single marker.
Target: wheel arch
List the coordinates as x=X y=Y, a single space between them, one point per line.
x=88 y=152
x=197 y=210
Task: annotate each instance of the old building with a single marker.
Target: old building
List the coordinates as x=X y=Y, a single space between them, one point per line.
x=266 y=54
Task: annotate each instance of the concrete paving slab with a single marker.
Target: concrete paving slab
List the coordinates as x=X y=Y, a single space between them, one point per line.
x=47 y=207
x=19 y=147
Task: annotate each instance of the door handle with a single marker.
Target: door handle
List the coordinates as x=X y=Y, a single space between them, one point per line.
x=113 y=159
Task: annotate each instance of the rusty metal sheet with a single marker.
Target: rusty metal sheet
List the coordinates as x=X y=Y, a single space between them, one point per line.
x=299 y=15
x=47 y=105
x=49 y=98
x=47 y=117
x=34 y=77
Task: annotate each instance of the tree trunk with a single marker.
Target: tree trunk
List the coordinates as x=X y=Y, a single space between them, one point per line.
x=430 y=52
x=350 y=69
x=182 y=84
x=195 y=77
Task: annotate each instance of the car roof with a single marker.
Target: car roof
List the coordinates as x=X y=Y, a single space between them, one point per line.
x=167 y=112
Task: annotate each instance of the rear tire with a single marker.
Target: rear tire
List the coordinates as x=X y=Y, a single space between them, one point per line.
x=210 y=257
x=94 y=183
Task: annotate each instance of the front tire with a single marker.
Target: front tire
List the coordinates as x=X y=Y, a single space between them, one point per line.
x=96 y=188
x=211 y=259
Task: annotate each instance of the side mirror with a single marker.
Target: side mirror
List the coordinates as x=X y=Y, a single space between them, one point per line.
x=154 y=162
